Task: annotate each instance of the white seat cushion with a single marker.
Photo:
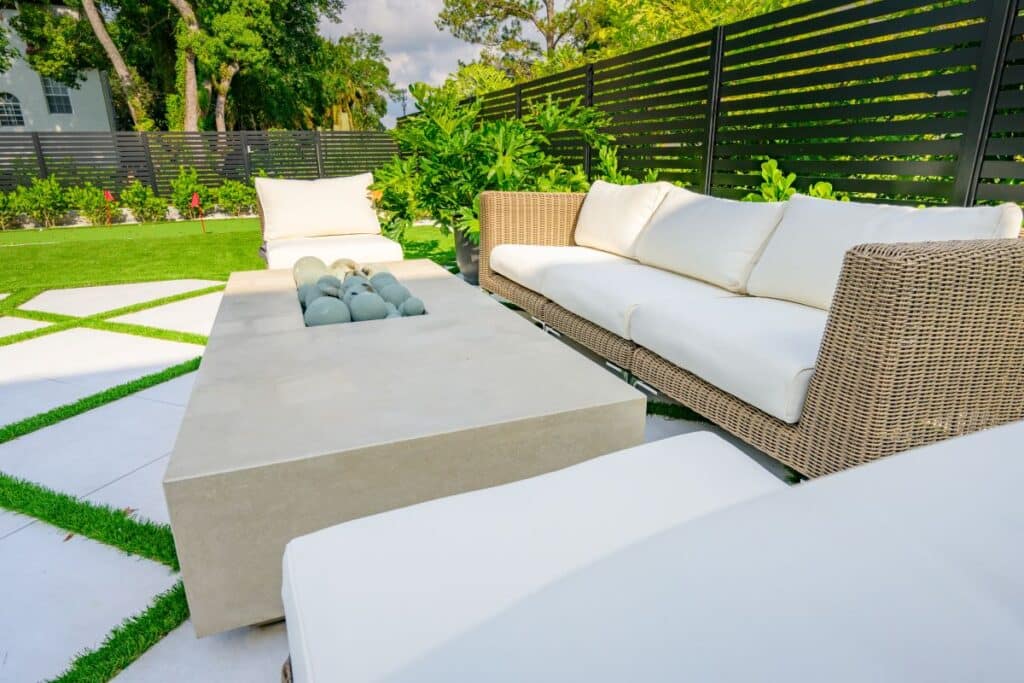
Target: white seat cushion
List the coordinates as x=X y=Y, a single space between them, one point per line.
x=613 y=216
x=607 y=294
x=708 y=238
x=907 y=569
x=368 y=598
x=359 y=248
x=802 y=260
x=529 y=264
x=762 y=351
x=311 y=208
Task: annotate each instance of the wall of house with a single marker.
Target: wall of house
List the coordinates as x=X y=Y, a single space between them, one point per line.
x=89 y=102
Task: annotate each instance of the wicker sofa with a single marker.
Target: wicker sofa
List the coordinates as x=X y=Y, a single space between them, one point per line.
x=919 y=341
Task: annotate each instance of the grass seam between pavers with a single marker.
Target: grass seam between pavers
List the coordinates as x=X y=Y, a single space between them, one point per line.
x=129 y=641
x=101 y=523
x=100 y=321
x=82 y=405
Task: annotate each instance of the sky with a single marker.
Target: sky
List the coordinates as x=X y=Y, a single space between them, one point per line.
x=418 y=50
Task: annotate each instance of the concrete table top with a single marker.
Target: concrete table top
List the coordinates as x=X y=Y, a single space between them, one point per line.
x=291 y=429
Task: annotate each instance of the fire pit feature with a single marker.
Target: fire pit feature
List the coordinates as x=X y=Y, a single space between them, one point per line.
x=348 y=292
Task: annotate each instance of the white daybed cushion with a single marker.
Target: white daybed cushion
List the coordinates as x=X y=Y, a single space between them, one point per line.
x=613 y=216
x=529 y=264
x=802 y=260
x=607 y=294
x=708 y=238
x=762 y=351
x=902 y=570
x=310 y=208
x=359 y=248
x=366 y=599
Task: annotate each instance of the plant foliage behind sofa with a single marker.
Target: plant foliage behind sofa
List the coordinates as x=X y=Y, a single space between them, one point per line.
x=449 y=154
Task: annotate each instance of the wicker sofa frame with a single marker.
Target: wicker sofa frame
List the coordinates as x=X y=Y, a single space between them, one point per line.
x=923 y=342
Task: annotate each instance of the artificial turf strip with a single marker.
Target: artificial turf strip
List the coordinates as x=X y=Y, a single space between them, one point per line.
x=143 y=331
x=60 y=413
x=41 y=332
x=130 y=640
x=99 y=522
x=673 y=411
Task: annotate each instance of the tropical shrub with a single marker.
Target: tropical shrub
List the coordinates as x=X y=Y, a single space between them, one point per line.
x=183 y=187
x=10 y=212
x=235 y=198
x=90 y=203
x=778 y=186
x=145 y=206
x=44 y=201
x=449 y=155
x=608 y=169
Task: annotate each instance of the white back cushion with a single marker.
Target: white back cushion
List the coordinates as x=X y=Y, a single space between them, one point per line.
x=708 y=238
x=803 y=258
x=315 y=208
x=613 y=216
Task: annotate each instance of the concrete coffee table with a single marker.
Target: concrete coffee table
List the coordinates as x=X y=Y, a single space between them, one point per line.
x=292 y=429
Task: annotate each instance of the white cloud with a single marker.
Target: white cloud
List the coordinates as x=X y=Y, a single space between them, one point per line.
x=419 y=51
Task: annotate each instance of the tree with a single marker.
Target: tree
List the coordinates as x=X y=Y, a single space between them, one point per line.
x=356 y=82
x=189 y=41
x=135 y=91
x=477 y=78
x=499 y=26
x=6 y=51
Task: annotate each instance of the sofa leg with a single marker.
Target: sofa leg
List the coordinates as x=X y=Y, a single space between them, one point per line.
x=286 y=671
x=645 y=387
x=622 y=373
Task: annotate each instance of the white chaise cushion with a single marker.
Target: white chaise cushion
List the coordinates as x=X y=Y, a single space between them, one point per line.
x=802 y=260
x=613 y=216
x=607 y=294
x=366 y=599
x=708 y=238
x=311 y=208
x=901 y=570
x=529 y=264
x=360 y=248
x=762 y=351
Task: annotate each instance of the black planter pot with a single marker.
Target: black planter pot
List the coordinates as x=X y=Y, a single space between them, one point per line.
x=467 y=255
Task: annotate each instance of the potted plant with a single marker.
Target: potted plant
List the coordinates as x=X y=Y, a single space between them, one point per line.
x=449 y=155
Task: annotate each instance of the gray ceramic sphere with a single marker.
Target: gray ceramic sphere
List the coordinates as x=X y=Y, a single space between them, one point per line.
x=395 y=294
x=355 y=281
x=368 y=306
x=391 y=308
x=312 y=294
x=304 y=291
x=413 y=306
x=383 y=279
x=353 y=291
x=327 y=311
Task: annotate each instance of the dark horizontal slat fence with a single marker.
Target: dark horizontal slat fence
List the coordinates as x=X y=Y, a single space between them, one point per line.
x=904 y=101
x=113 y=160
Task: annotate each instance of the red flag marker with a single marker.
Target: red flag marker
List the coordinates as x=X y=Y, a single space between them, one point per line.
x=196 y=204
x=108 y=197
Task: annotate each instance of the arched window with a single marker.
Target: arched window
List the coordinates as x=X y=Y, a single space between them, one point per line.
x=10 y=110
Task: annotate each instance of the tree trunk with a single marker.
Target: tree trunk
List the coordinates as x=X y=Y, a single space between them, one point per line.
x=550 y=34
x=223 y=87
x=125 y=75
x=191 y=94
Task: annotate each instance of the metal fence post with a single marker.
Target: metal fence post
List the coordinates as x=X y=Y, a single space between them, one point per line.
x=319 y=154
x=588 y=99
x=246 y=161
x=40 y=159
x=150 y=166
x=519 y=101
x=714 y=88
x=981 y=110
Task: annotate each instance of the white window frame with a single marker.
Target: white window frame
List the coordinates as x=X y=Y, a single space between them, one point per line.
x=11 y=113
x=56 y=93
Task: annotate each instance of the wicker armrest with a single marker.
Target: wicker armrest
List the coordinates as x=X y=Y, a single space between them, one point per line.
x=924 y=341
x=544 y=218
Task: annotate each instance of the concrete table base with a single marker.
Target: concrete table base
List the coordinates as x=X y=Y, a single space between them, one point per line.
x=292 y=429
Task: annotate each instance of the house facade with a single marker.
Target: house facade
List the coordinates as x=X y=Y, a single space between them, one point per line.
x=31 y=102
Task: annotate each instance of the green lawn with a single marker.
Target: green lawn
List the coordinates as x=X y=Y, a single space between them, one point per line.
x=74 y=257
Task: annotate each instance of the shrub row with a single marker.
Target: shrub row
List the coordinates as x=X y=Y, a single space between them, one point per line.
x=47 y=202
